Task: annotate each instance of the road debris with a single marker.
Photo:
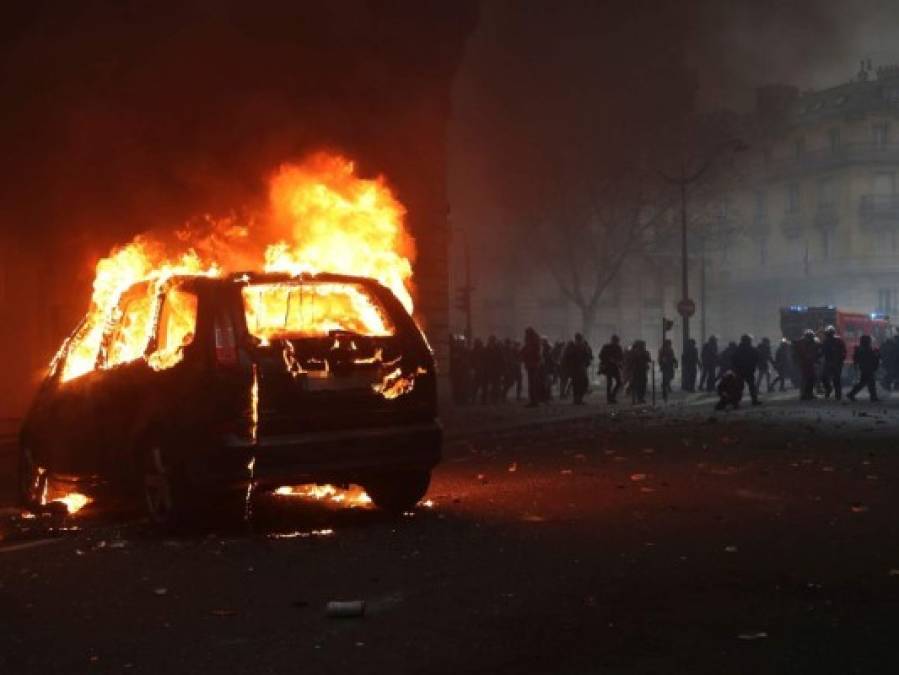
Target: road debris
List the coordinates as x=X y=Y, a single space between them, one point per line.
x=345 y=609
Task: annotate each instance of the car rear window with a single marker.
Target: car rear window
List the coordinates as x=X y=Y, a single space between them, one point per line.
x=177 y=326
x=313 y=309
x=130 y=333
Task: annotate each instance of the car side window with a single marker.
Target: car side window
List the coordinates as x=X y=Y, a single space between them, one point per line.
x=177 y=327
x=131 y=329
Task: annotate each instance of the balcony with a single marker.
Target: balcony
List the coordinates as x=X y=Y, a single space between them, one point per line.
x=792 y=225
x=879 y=212
x=823 y=159
x=827 y=217
x=760 y=227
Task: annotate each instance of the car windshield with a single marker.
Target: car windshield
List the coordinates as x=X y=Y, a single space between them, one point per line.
x=313 y=309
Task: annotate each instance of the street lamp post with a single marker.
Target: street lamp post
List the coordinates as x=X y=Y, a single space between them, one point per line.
x=685 y=277
x=686 y=307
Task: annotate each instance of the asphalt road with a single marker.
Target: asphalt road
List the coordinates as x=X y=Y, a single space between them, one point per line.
x=657 y=541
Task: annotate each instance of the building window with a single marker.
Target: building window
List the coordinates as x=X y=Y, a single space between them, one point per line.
x=827 y=193
x=887 y=299
x=761 y=206
x=793 y=198
x=723 y=210
x=884 y=183
x=834 y=135
x=881 y=131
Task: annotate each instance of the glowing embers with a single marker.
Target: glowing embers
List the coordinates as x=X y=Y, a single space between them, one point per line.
x=353 y=497
x=339 y=222
x=124 y=306
x=396 y=384
x=60 y=493
x=302 y=534
x=73 y=501
x=312 y=309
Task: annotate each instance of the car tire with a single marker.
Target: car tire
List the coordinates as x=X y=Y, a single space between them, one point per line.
x=173 y=504
x=32 y=481
x=163 y=500
x=398 y=491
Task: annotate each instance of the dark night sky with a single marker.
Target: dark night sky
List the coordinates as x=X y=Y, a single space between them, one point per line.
x=542 y=81
x=120 y=117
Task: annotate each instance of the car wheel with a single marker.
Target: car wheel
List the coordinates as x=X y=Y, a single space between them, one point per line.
x=32 y=481
x=163 y=500
x=398 y=491
x=173 y=505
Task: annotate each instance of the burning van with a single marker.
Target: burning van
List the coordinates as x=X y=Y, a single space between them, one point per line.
x=196 y=386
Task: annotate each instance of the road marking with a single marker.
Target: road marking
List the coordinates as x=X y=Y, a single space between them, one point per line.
x=28 y=544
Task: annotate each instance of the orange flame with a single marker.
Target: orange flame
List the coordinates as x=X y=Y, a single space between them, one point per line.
x=321 y=217
x=354 y=497
x=339 y=223
x=141 y=260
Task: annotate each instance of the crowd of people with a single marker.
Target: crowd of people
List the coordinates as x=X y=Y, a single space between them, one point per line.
x=498 y=370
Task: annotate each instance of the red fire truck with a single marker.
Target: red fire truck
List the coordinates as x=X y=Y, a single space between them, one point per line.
x=796 y=319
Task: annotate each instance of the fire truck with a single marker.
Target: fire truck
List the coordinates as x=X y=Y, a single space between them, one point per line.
x=796 y=319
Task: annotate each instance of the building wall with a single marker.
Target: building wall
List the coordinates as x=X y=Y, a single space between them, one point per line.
x=822 y=252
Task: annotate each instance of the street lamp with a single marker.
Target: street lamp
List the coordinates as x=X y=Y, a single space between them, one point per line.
x=687 y=307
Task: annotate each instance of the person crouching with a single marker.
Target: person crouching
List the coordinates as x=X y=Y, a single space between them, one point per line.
x=730 y=390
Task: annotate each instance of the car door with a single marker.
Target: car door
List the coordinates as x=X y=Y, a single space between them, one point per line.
x=62 y=425
x=124 y=376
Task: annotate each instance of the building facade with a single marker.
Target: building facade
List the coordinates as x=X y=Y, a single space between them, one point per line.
x=819 y=207
x=810 y=217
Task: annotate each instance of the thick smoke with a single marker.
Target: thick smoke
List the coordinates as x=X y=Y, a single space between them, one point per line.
x=738 y=45
x=126 y=117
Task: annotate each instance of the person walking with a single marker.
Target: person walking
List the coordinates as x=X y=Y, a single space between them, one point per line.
x=744 y=362
x=611 y=359
x=833 y=349
x=807 y=353
x=532 y=357
x=479 y=372
x=710 y=363
x=493 y=363
x=765 y=362
x=782 y=365
x=576 y=361
x=667 y=364
x=639 y=362
x=867 y=360
x=689 y=366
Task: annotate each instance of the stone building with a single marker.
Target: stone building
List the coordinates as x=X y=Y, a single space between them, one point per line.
x=811 y=217
x=819 y=207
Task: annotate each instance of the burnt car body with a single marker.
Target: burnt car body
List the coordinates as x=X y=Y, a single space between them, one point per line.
x=228 y=406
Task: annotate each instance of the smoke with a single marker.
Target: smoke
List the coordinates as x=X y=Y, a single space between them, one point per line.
x=736 y=46
x=128 y=117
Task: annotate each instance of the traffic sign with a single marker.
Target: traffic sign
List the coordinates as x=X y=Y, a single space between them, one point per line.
x=686 y=308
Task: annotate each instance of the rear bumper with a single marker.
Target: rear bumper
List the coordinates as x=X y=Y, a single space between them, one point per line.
x=336 y=455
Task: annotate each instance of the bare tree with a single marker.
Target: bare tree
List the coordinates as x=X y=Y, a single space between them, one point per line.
x=587 y=229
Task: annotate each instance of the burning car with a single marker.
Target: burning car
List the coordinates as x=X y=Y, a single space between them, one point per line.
x=195 y=386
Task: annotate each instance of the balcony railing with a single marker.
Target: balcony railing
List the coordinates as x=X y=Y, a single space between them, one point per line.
x=827 y=158
x=827 y=217
x=792 y=224
x=878 y=212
